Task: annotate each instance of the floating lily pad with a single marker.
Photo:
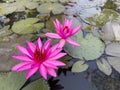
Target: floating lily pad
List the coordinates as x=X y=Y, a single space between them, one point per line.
x=12 y=80
x=79 y=66
x=64 y=1
x=37 y=85
x=113 y=49
x=90 y=47
x=27 y=26
x=7 y=49
x=106 y=16
x=6 y=8
x=115 y=63
x=104 y=66
x=55 y=8
x=107 y=33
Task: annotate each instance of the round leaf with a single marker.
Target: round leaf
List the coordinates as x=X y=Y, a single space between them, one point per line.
x=46 y=8
x=37 y=85
x=104 y=66
x=27 y=26
x=12 y=80
x=79 y=66
x=115 y=63
x=113 y=49
x=90 y=47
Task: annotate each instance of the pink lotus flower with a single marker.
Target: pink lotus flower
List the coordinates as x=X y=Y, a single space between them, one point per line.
x=39 y=57
x=64 y=32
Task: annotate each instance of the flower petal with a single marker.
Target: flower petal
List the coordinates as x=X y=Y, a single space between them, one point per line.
x=23 y=50
x=31 y=72
x=48 y=65
x=52 y=35
x=25 y=67
x=56 y=63
x=39 y=44
x=57 y=56
x=47 y=44
x=16 y=67
x=61 y=43
x=22 y=58
x=57 y=25
x=43 y=71
x=55 y=52
x=72 y=42
x=31 y=46
x=76 y=30
x=51 y=72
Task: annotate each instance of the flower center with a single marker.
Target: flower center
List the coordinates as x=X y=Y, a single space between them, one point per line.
x=66 y=29
x=40 y=55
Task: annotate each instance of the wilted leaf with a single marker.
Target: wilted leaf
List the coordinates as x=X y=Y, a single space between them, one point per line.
x=104 y=66
x=79 y=66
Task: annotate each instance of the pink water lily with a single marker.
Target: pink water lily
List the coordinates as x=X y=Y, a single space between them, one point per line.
x=39 y=57
x=64 y=32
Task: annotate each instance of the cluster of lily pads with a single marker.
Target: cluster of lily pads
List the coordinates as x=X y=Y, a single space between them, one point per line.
x=99 y=37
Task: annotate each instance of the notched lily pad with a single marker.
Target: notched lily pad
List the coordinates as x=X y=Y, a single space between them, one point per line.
x=27 y=26
x=90 y=47
x=115 y=63
x=104 y=66
x=55 y=8
x=79 y=66
x=113 y=49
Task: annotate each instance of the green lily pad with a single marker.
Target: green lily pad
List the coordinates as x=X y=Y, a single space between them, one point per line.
x=55 y=8
x=104 y=66
x=90 y=47
x=113 y=49
x=27 y=26
x=6 y=8
x=7 y=49
x=40 y=84
x=115 y=63
x=79 y=66
x=12 y=80
x=106 y=16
